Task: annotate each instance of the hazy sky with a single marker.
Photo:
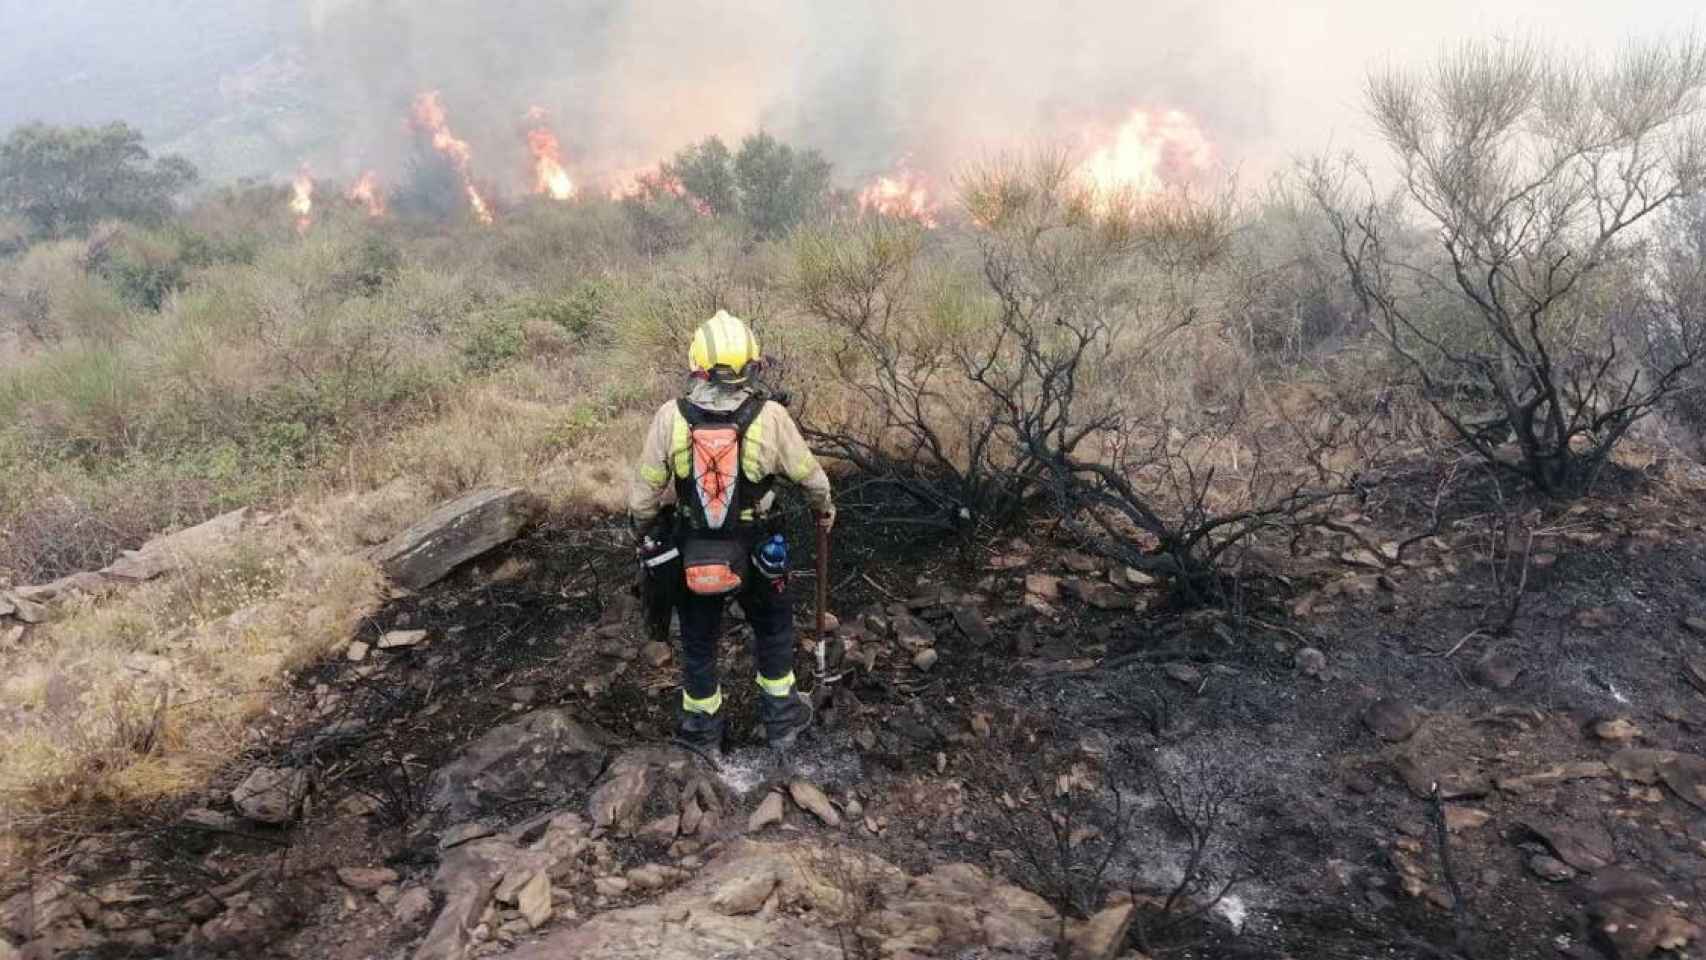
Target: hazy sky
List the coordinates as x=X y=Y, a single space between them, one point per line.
x=262 y=85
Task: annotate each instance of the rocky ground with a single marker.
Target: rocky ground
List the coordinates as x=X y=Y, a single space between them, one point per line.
x=1021 y=733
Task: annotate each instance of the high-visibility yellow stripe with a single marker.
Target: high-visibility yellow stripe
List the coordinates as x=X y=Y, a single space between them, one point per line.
x=681 y=446
x=708 y=705
x=805 y=467
x=777 y=688
x=752 y=461
x=655 y=476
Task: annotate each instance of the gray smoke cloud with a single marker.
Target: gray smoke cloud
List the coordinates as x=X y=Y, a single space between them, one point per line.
x=942 y=82
x=259 y=87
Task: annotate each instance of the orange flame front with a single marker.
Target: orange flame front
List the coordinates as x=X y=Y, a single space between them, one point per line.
x=1148 y=152
x=365 y=191
x=654 y=182
x=430 y=118
x=549 y=177
x=302 y=200
x=905 y=195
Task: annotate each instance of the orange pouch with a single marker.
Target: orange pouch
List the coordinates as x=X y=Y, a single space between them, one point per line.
x=714 y=567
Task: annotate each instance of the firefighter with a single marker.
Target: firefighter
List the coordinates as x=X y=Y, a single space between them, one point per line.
x=716 y=454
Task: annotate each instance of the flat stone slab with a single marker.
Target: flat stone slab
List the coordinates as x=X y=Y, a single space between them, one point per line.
x=455 y=533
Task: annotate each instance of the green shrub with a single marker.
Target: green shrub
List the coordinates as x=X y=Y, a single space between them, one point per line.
x=493 y=341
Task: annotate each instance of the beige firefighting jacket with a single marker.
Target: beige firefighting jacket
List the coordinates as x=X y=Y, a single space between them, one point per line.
x=773 y=447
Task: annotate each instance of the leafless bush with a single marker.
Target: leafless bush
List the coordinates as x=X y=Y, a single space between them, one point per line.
x=905 y=414
x=1197 y=795
x=1540 y=316
x=1065 y=825
x=1099 y=300
x=860 y=888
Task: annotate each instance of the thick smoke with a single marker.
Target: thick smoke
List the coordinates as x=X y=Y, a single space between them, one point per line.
x=263 y=86
x=867 y=83
x=870 y=82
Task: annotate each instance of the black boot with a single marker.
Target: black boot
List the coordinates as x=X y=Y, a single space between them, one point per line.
x=702 y=733
x=784 y=718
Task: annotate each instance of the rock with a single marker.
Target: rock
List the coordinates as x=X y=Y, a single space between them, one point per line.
x=9 y=637
x=6 y=606
x=393 y=639
x=28 y=611
x=1596 y=618
x=1616 y=730
x=1576 y=770
x=464 y=833
x=769 y=812
x=1106 y=596
x=1422 y=775
x=911 y=633
x=1634 y=917
x=174 y=551
x=545 y=755
x=466 y=877
x=271 y=794
x=617 y=802
x=744 y=894
x=812 y=799
x=1392 y=720
x=46 y=904
x=1686 y=776
x=366 y=879
x=1183 y=673
x=411 y=906
x=534 y=900
x=1310 y=662
x=656 y=653
x=925 y=659
x=971 y=623
x=1587 y=848
x=664 y=828
x=454 y=533
x=508 y=889
x=1550 y=869
x=1079 y=562
x=1459 y=819
x=357 y=651
x=1102 y=937
x=1136 y=578
x=1695 y=625
x=610 y=886
x=647 y=877
x=1042 y=586
x=1497 y=669
x=1684 y=773
x=1693 y=668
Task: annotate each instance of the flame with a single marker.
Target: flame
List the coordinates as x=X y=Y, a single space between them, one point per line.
x=640 y=181
x=906 y=194
x=651 y=182
x=429 y=117
x=366 y=192
x=549 y=177
x=302 y=200
x=1149 y=151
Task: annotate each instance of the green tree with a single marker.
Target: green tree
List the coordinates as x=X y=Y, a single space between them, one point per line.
x=703 y=171
x=63 y=180
x=779 y=186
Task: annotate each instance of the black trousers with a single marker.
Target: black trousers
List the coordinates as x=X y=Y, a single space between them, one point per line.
x=769 y=607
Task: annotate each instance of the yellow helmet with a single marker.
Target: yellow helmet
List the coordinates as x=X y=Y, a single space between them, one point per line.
x=724 y=349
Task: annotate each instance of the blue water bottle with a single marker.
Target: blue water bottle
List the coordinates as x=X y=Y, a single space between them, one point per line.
x=772 y=558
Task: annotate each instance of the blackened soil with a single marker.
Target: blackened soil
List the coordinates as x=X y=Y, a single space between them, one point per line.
x=1328 y=848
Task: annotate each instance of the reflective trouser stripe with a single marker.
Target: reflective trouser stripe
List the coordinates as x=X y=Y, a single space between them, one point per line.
x=777 y=688
x=710 y=704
